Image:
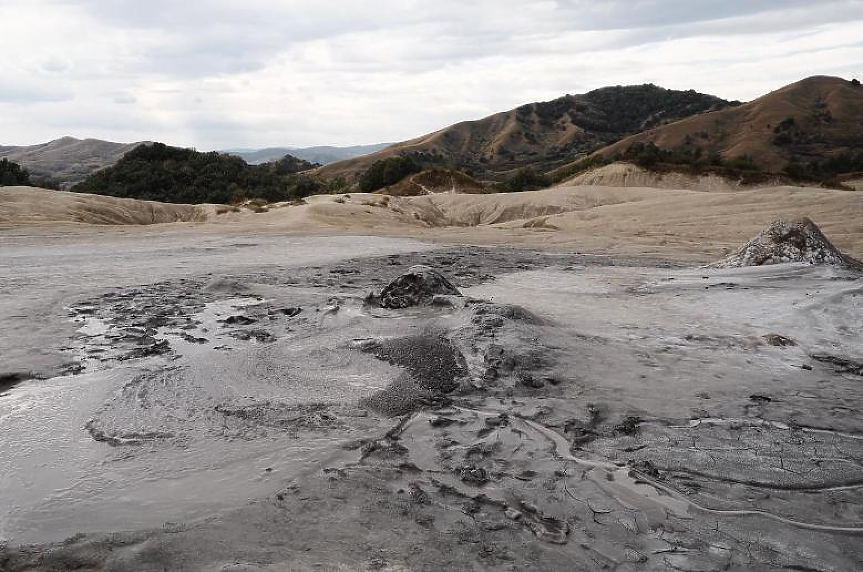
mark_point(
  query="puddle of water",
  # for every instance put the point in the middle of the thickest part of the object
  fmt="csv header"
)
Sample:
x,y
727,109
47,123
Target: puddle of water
x,y
56,480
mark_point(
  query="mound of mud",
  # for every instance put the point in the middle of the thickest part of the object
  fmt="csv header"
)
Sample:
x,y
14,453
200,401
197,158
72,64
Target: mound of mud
x,y
416,287
783,241
226,285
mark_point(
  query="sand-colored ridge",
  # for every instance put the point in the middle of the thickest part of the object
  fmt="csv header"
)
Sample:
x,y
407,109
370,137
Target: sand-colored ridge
x,y
671,222
622,174
35,206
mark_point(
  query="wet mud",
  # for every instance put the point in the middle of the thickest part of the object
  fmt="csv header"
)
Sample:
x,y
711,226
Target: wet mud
x,y
550,412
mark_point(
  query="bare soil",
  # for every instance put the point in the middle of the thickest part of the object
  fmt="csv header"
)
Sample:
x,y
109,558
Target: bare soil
x,y
233,401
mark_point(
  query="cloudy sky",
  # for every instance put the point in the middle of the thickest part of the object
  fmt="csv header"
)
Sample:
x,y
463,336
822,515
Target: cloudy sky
x,y
253,73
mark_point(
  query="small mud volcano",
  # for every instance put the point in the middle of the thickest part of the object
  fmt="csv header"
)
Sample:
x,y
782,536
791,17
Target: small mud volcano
x,y
416,287
795,241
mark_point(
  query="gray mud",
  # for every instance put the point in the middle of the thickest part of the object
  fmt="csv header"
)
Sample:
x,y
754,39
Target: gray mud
x,y
567,412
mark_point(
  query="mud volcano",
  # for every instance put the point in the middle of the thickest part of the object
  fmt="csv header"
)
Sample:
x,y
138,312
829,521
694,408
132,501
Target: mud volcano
x,y
416,287
796,241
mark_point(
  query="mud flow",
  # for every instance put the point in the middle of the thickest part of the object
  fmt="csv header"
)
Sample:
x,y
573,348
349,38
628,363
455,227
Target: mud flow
x,y
419,408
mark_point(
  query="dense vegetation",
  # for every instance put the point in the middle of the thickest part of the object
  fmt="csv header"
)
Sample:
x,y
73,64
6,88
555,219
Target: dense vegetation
x,y
159,172
826,170
525,179
388,172
13,174
822,171
695,161
634,108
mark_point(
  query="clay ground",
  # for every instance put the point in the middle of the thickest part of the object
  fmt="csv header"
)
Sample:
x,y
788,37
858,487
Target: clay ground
x,y
205,397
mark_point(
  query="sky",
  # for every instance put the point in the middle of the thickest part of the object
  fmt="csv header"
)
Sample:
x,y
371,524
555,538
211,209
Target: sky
x,y
216,74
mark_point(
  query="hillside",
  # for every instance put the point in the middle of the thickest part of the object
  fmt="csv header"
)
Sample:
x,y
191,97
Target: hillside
x,y
542,135
67,160
812,129
158,172
323,154
34,206
435,181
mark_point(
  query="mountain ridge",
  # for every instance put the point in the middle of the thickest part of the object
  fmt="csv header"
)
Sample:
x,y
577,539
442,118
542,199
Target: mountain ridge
x,y
542,135
805,122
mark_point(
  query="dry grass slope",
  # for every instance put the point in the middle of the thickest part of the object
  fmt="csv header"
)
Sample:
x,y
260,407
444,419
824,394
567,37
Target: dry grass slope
x,y
68,160
815,117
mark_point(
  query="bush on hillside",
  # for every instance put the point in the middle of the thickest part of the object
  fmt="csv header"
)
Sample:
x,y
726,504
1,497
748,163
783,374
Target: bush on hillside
x,y
159,172
388,172
827,169
13,174
526,179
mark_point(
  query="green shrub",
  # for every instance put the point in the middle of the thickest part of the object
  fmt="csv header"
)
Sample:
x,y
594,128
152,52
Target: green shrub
x,y
388,172
526,180
159,172
13,174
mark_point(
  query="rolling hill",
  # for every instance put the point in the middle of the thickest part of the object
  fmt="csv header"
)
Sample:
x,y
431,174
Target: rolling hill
x,y
323,154
809,129
67,160
542,135
434,181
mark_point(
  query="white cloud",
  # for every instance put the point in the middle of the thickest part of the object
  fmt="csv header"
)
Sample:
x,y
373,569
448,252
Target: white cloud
x,y
221,73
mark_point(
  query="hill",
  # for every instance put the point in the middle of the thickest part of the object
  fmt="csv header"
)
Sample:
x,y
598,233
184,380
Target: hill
x,y
323,154
34,206
67,160
809,130
158,172
541,135
435,181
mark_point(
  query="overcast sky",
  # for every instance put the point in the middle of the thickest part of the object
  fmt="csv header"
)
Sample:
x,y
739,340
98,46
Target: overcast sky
x,y
254,73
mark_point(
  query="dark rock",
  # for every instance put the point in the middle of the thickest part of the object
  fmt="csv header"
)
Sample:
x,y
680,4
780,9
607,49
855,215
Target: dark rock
x,y
777,340
473,475
528,380
629,426
238,320
289,312
841,364
257,335
417,495
441,421
156,349
418,286
645,468
11,379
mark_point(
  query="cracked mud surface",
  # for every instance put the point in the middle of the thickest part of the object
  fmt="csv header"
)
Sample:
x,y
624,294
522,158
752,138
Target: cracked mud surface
x,y
568,412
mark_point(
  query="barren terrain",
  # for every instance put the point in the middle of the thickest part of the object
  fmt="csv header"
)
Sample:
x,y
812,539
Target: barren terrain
x,y
224,394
